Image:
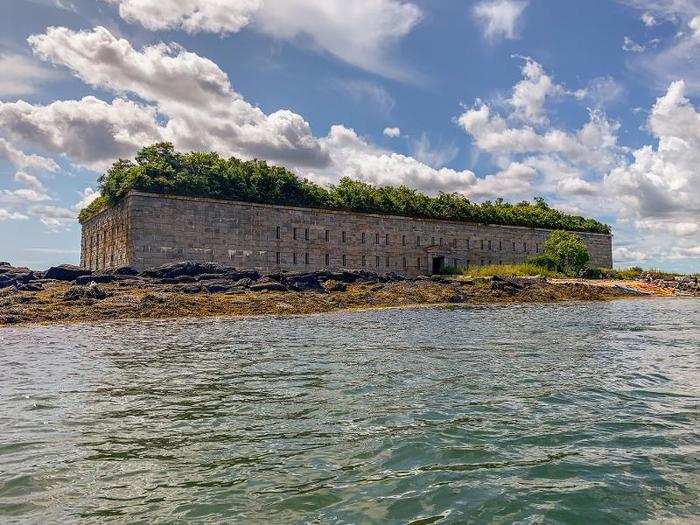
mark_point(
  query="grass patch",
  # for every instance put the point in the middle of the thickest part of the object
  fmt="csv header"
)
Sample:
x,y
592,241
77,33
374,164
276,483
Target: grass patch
x,y
504,270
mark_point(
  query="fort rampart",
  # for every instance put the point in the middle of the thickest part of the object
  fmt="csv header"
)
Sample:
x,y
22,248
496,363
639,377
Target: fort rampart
x,y
146,230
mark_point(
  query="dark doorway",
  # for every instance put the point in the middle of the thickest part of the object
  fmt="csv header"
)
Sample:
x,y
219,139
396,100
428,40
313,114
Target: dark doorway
x,y
438,264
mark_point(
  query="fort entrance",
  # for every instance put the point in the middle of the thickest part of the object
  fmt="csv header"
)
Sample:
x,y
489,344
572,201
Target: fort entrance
x,y
438,264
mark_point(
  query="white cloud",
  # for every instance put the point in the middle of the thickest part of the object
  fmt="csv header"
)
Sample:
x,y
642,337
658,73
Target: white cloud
x,y
21,75
632,46
53,217
676,58
648,19
662,183
354,157
499,18
87,196
360,33
514,181
30,181
90,131
11,215
392,132
195,95
366,93
435,156
529,95
22,160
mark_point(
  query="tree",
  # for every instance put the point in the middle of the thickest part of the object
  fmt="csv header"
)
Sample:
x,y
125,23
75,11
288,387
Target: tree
x,y
568,251
160,168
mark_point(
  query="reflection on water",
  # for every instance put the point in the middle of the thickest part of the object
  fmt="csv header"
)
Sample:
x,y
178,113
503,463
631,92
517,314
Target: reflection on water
x,y
573,413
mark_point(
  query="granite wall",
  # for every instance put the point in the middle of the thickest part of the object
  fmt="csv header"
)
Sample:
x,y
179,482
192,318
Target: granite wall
x,y
147,230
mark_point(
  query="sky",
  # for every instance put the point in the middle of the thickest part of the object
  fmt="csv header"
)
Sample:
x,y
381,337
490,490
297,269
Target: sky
x,y
593,105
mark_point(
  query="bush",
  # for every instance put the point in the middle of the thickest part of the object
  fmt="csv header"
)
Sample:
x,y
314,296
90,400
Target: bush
x,y
568,252
544,261
161,169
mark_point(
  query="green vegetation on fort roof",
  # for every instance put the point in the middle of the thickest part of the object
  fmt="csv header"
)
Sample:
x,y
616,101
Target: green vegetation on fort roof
x,y
161,169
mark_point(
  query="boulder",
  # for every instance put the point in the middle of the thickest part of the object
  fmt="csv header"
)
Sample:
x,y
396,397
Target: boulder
x,y
190,268
237,275
7,280
218,286
121,270
32,286
66,272
75,293
180,279
303,282
266,284
243,283
334,286
96,278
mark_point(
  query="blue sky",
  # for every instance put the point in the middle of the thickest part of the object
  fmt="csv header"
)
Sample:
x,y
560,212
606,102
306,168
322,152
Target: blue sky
x,y
592,105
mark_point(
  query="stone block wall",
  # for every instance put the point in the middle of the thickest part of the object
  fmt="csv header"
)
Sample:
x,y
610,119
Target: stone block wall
x,y
150,230
105,239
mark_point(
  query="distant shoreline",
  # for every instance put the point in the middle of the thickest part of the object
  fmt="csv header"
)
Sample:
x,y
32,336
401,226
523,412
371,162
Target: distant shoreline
x,y
133,297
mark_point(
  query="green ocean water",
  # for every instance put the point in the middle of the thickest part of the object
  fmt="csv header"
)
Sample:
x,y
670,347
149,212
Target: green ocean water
x,y
568,413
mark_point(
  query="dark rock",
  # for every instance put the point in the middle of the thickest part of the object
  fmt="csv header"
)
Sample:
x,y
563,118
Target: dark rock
x,y
31,286
191,268
458,298
266,284
243,283
125,270
208,276
335,286
303,282
9,319
96,278
237,275
75,293
66,272
505,285
177,280
218,286
189,288
7,280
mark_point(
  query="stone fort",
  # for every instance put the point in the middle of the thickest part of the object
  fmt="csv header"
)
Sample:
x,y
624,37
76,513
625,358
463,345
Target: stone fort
x,y
146,230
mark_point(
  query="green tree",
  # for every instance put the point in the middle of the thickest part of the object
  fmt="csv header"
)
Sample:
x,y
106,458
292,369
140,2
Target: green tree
x,y
568,251
159,168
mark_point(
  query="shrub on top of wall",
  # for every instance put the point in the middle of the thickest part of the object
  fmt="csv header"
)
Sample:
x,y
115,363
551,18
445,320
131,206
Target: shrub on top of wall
x,y
161,169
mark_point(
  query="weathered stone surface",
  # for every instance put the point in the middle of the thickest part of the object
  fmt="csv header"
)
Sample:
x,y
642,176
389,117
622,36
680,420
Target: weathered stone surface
x,y
180,279
31,286
75,293
218,286
303,282
96,278
147,230
185,268
334,286
266,284
66,272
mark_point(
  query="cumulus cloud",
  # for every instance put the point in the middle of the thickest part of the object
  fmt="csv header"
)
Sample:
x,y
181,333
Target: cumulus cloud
x,y
22,160
392,132
360,33
356,158
648,19
89,131
192,92
529,95
433,155
21,75
87,196
630,45
674,59
661,184
499,18
6,215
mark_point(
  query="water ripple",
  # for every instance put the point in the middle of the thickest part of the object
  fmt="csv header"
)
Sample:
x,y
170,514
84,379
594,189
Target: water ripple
x,y
580,412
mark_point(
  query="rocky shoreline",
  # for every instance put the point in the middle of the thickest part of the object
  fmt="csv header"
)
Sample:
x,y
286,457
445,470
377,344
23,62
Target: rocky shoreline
x,y
69,293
